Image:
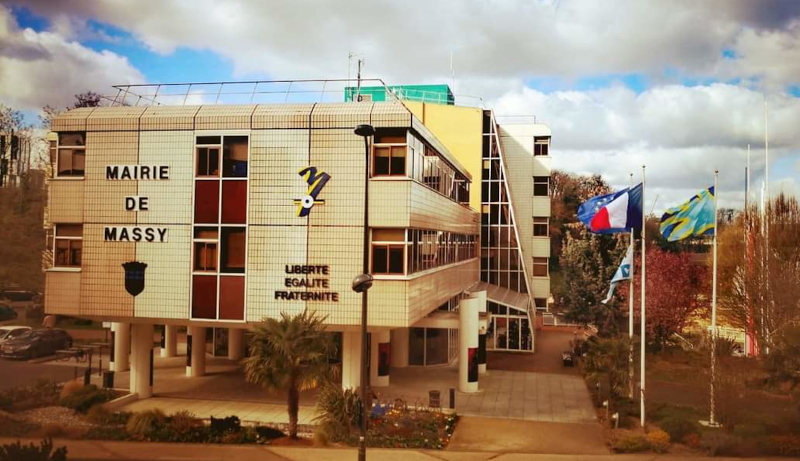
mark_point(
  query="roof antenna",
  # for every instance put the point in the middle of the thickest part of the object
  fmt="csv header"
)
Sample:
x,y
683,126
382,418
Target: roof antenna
x,y
358,78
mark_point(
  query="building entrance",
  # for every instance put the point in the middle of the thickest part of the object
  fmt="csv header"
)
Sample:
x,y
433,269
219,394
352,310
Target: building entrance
x,y
509,329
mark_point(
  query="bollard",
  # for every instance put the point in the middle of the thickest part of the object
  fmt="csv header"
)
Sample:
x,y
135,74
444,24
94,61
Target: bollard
x,y
452,398
108,379
87,376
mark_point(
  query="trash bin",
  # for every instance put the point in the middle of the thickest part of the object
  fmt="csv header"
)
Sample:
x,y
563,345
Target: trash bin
x,y
434,399
567,358
108,379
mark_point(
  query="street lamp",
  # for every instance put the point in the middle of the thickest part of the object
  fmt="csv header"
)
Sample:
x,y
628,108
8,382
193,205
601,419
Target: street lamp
x,y
361,284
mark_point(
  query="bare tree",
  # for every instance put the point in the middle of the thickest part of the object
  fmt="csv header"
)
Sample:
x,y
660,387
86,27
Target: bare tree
x,y
760,272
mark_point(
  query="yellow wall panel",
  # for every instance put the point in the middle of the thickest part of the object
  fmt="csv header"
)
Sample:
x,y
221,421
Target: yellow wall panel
x,y
276,158
103,278
105,199
62,292
168,275
66,201
170,200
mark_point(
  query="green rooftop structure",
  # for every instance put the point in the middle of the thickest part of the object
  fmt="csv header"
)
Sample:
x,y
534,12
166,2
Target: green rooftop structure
x,y
435,94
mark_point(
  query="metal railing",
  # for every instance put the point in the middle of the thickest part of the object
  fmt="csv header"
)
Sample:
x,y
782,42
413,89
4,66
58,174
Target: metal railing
x,y
274,91
241,92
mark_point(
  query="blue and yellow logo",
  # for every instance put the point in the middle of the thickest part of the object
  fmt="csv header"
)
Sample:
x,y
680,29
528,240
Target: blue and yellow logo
x,y
316,181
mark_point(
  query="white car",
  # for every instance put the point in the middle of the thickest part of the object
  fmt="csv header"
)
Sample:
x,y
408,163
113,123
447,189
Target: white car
x,y
8,332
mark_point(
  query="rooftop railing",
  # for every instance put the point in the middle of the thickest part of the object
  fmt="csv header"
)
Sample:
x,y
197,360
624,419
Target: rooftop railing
x,y
273,92
242,92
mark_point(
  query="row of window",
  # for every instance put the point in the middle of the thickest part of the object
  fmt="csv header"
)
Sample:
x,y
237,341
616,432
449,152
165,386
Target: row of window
x,y
400,153
219,240
69,154
407,251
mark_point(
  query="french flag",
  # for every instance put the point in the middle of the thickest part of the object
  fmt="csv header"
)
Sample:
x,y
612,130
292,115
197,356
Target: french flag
x,y
613,213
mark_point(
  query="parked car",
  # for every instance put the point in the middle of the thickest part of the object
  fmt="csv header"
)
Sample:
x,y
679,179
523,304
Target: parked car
x,y
7,313
36,343
10,332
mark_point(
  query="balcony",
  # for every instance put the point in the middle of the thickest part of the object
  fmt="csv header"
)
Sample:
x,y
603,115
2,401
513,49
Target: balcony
x,y
404,203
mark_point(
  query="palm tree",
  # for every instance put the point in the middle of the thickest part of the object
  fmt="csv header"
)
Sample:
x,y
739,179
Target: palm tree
x,y
290,353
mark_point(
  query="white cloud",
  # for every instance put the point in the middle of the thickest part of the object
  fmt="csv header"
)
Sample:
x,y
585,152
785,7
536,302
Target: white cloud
x,y
411,41
681,133
39,68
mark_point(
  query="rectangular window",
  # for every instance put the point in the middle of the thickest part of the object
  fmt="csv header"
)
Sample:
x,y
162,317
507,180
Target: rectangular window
x,y
387,259
68,245
389,160
208,161
541,303
233,250
204,296
541,186
206,202
540,227
71,159
231,297
205,249
540,267
234,202
234,157
541,147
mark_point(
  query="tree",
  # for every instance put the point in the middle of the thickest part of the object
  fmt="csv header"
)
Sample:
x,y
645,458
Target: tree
x,y
569,191
588,263
607,359
290,353
677,287
87,99
760,276
22,234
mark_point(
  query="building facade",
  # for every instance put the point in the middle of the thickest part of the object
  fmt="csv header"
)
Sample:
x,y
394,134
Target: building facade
x,y
219,216
15,158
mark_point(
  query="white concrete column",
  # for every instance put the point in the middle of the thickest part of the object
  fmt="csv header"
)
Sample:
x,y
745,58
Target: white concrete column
x,y
380,358
468,344
482,357
351,359
399,347
196,360
141,360
170,348
122,346
235,343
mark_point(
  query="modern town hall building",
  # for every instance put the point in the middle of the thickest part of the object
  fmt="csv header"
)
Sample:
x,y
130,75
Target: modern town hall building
x,y
217,216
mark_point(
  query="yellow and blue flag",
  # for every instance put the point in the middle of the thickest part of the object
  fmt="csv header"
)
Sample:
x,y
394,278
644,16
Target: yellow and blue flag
x,y
693,218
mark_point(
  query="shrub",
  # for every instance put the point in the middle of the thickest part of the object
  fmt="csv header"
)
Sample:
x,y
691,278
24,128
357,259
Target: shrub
x,y
658,440
225,425
44,452
44,392
782,445
106,433
98,414
183,422
718,443
632,443
71,387
269,433
86,397
692,440
750,430
52,430
678,427
15,426
338,411
144,423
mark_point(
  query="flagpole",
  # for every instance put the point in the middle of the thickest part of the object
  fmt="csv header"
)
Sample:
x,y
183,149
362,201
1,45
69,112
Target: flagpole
x,y
630,312
641,339
712,422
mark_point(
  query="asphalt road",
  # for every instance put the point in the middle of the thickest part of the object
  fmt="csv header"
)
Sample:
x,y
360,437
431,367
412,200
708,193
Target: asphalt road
x,y
18,373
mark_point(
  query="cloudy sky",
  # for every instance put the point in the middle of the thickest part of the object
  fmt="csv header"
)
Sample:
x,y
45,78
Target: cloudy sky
x,y
679,86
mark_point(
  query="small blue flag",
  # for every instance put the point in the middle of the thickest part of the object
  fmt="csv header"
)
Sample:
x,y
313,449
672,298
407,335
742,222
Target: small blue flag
x,y
693,218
